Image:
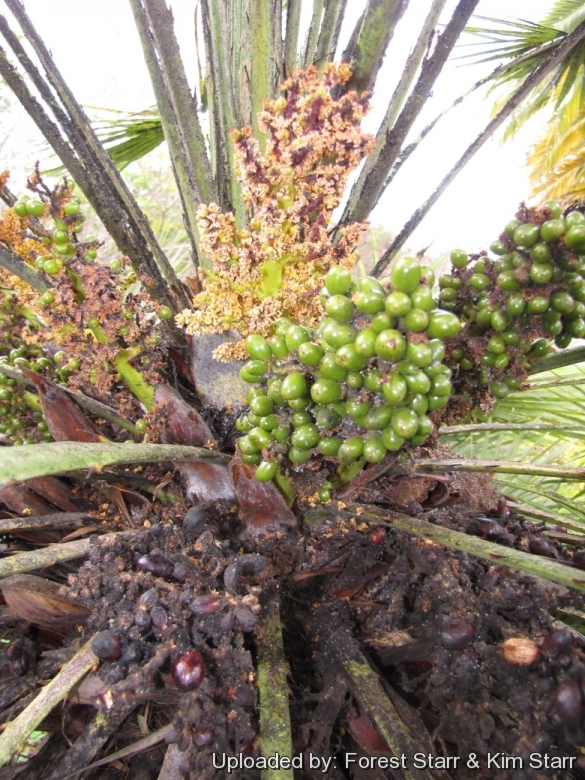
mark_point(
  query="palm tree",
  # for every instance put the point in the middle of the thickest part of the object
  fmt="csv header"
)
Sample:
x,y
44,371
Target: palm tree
x,y
250,47
556,161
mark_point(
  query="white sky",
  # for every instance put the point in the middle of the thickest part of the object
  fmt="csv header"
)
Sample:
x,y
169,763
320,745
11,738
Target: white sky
x,y
97,49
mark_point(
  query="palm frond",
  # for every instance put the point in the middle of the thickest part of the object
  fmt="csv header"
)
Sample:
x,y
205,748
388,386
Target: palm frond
x,y
128,137
558,405
520,46
565,14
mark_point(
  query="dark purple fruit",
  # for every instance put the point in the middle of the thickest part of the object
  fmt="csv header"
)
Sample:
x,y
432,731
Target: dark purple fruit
x,y
21,664
251,564
194,523
245,618
159,617
206,605
155,564
142,620
456,633
14,650
188,670
490,529
107,646
538,545
203,737
230,576
558,641
579,559
148,598
377,535
569,701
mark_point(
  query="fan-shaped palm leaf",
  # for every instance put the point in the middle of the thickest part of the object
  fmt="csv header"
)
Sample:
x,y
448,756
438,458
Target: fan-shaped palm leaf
x,y
520,46
557,160
128,137
546,403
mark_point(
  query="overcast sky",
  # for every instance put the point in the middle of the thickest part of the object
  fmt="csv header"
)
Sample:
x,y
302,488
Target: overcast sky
x,y
96,47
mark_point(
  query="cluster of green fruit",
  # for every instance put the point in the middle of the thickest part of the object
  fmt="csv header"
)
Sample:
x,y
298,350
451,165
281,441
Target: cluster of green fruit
x,y
61,239
516,305
21,418
361,384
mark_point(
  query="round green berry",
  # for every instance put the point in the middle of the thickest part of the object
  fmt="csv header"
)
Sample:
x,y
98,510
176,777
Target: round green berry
x,y
339,308
416,320
329,445
48,298
552,230
369,301
338,280
326,391
310,353
257,347
294,386
390,345
443,325
391,440
374,450
266,471
397,304
36,208
459,258
526,235
299,456
404,422
71,208
295,336
351,449
405,274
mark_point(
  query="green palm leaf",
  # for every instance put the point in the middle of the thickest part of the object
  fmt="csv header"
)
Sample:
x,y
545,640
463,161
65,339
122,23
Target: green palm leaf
x,y
521,46
128,137
543,404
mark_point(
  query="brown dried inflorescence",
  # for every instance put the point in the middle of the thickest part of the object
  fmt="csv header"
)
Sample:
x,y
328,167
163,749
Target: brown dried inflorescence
x,y
275,265
70,322
98,316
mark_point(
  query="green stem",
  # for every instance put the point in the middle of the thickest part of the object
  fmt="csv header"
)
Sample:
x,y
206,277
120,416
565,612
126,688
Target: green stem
x,y
132,378
557,383
32,400
500,467
377,30
556,498
495,553
16,266
99,335
265,57
275,727
313,34
286,487
546,517
566,357
221,21
347,655
454,430
18,730
40,460
325,51
293,20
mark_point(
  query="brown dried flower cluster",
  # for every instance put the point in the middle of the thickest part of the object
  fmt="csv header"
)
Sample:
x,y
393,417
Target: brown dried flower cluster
x,y
275,266
16,237
94,314
69,321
